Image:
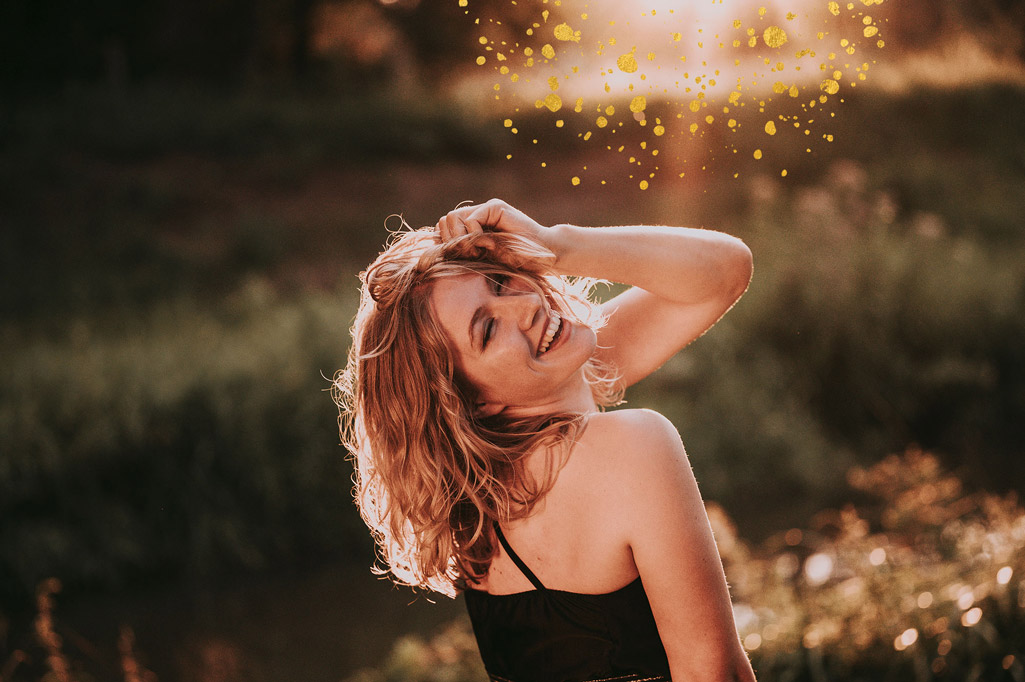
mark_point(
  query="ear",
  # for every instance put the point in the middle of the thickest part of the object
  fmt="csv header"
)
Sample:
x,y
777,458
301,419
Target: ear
x,y
486,410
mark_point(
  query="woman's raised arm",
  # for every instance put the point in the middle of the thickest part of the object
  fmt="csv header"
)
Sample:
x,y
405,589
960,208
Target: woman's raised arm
x,y
683,279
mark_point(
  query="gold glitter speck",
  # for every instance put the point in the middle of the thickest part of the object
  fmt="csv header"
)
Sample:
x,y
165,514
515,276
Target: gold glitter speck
x,y
638,104
834,9
575,181
758,154
830,86
627,63
770,128
548,51
566,33
601,122
658,131
774,36
553,102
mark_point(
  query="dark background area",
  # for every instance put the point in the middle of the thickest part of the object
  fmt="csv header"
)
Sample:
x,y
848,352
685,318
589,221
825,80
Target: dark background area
x,y
187,190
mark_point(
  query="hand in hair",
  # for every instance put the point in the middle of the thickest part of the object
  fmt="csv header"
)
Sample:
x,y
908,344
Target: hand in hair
x,y
492,216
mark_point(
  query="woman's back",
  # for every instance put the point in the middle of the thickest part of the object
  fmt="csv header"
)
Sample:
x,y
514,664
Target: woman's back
x,y
575,538
563,599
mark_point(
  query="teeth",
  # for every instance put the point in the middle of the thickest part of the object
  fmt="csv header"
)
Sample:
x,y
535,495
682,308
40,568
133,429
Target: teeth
x,y
553,328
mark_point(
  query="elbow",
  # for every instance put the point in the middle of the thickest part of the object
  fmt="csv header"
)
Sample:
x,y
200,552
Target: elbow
x,y
738,269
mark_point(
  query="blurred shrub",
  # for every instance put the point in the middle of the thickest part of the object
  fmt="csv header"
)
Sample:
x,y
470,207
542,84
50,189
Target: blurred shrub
x,y
924,582
864,330
194,439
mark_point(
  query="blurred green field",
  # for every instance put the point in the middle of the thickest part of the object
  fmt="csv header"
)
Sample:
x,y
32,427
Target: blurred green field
x,y
179,280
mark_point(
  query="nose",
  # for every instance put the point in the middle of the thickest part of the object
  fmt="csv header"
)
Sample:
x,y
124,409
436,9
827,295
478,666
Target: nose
x,y
522,308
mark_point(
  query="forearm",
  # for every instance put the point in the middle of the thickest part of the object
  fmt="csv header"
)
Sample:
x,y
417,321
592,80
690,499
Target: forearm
x,y
682,265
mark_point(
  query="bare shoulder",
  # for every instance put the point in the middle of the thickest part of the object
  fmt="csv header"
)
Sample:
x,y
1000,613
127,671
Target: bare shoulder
x,y
640,440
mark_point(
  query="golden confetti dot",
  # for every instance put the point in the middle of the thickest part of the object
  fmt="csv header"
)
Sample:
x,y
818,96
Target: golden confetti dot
x,y
527,51
548,51
779,88
601,122
677,37
758,154
559,123
770,127
774,36
870,31
610,110
575,180
587,135
880,44
483,40
694,105
463,3
794,92
553,83
732,123
831,86
508,156
867,21
752,42
644,184
579,106
709,119
565,33
736,23
762,11
504,70
791,16
693,128
734,97
638,104
627,63
834,9
553,102
507,123
783,173
481,60
658,131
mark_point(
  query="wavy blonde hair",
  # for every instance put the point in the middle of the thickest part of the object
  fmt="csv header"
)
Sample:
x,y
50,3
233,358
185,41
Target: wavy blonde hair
x,y
431,474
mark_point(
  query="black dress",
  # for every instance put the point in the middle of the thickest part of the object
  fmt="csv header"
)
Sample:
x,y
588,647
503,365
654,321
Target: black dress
x,y
547,635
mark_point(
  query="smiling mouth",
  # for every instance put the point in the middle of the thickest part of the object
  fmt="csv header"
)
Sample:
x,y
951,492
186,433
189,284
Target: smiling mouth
x,y
552,332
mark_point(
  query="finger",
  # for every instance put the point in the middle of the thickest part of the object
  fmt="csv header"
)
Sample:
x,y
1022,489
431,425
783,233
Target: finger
x,y
488,214
473,225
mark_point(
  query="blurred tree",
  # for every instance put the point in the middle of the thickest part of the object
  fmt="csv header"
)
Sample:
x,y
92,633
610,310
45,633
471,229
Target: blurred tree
x,y
45,46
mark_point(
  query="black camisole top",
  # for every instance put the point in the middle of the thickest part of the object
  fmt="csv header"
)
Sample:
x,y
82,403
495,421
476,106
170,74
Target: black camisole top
x,y
547,635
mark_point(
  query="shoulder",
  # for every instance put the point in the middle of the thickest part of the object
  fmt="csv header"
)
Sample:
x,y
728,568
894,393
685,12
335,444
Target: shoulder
x,y
636,436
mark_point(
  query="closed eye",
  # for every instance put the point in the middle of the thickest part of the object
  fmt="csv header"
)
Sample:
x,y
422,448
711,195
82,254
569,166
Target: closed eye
x,y
489,327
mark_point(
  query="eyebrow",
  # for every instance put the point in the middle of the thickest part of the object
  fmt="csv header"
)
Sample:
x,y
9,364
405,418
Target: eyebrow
x,y
477,315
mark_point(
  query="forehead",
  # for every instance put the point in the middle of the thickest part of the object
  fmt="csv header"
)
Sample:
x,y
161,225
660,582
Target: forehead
x,y
454,299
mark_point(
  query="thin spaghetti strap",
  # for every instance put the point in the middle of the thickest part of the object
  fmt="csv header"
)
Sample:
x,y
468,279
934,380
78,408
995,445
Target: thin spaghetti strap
x,y
519,562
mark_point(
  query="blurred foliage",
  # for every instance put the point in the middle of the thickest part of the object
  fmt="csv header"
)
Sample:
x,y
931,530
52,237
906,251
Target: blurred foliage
x,y
922,583
172,300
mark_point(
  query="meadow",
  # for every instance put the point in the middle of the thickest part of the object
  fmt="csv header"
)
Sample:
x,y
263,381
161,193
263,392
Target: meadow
x,y
178,288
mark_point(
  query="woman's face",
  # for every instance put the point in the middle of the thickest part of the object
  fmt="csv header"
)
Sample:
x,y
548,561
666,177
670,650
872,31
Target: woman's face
x,y
516,353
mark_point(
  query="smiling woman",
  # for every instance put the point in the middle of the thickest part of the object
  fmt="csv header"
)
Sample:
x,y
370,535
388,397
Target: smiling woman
x,y
472,403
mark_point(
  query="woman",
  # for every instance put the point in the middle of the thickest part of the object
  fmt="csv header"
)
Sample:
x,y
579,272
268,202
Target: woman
x,y
484,464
